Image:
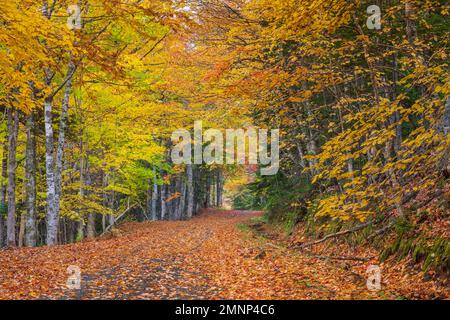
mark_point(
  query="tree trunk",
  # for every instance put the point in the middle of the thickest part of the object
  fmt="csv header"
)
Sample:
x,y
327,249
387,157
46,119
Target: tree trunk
x,y
154,201
148,209
213,190
13,129
103,222
301,155
446,131
3,206
182,203
171,206
71,235
190,191
311,148
105,200
410,25
208,190
112,218
80,233
21,230
163,201
30,176
219,188
61,137
52,214
90,228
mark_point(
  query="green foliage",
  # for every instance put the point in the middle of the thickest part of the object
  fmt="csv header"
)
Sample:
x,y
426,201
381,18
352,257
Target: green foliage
x,y
409,241
247,199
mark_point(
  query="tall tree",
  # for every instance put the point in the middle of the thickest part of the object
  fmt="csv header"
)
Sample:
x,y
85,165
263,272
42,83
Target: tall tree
x,y
189,191
13,129
30,176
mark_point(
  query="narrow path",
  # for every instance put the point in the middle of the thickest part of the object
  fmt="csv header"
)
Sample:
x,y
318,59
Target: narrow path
x,y
208,257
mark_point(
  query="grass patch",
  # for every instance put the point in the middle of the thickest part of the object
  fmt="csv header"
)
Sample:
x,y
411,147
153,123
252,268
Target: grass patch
x,y
244,228
264,219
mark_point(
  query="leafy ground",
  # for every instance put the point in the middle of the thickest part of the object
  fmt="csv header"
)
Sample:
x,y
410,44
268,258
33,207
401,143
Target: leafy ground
x,y
217,255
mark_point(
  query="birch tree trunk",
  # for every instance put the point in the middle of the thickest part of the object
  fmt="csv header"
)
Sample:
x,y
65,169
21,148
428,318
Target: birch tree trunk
x,y
52,214
13,129
30,176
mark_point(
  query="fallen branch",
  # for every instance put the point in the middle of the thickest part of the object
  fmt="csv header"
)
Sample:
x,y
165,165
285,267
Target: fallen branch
x,y
275,246
334,235
379,232
340,257
324,257
120,216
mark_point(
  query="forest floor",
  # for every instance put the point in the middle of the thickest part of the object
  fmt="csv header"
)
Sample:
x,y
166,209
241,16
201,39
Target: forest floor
x,y
216,255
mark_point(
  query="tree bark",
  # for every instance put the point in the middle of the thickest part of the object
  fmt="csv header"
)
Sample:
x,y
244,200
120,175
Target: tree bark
x,y
52,214
13,129
172,205
3,206
21,230
190,191
154,201
80,234
208,190
90,228
311,147
410,25
148,208
301,155
61,137
446,132
182,203
80,230
213,190
105,200
30,176
163,201
219,188
112,218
